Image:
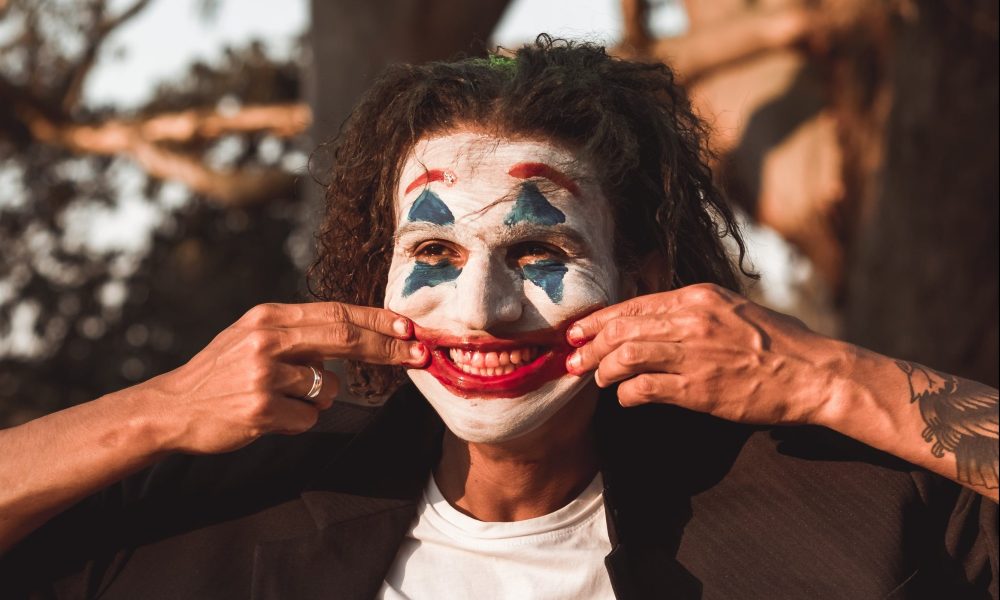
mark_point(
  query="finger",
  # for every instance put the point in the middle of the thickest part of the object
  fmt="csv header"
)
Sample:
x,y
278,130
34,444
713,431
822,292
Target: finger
x,y
635,358
353,342
296,381
290,415
652,388
617,332
381,320
588,327
663,302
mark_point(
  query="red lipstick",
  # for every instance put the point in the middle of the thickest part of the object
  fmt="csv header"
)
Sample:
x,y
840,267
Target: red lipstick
x,y
549,350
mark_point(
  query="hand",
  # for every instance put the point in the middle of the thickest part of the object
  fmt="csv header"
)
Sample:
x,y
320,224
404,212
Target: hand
x,y
709,350
253,377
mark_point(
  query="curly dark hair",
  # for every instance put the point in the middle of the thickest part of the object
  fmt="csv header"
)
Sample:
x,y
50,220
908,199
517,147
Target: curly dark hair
x,y
629,116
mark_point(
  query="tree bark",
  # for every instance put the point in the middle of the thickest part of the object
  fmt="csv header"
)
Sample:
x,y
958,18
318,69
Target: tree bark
x,y
922,281
353,40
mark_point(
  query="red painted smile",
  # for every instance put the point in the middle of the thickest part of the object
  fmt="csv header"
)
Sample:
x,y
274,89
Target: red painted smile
x,y
486,366
491,367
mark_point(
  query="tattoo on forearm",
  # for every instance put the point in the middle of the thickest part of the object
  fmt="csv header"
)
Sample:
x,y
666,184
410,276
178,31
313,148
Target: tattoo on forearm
x,y
961,418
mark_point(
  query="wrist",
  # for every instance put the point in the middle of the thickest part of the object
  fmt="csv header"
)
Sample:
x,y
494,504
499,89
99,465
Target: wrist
x,y
142,426
852,403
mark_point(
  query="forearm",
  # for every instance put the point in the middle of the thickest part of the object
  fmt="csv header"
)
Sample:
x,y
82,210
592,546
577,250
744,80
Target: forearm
x,y
53,462
248,382
940,422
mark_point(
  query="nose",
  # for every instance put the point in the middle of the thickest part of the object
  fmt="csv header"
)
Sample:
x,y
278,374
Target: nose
x,y
488,295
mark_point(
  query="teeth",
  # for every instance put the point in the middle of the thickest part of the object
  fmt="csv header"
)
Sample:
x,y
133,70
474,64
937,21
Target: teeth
x,y
492,364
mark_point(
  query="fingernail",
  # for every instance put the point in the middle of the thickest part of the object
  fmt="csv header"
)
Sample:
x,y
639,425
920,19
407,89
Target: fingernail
x,y
575,334
573,362
401,327
417,352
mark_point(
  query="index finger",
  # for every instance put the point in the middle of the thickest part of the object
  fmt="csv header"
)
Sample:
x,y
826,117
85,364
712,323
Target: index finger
x,y
379,320
588,327
346,340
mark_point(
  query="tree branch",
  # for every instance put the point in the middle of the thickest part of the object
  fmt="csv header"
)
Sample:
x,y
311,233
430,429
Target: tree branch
x,y
230,188
72,86
282,120
138,140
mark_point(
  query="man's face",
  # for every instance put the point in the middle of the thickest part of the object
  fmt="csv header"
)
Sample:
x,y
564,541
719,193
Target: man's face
x,y
499,245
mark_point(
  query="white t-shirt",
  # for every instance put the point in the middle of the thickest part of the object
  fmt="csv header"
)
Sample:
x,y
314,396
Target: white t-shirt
x,y
447,554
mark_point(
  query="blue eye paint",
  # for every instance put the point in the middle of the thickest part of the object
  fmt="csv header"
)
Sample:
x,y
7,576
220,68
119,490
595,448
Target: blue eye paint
x,y
429,207
531,206
429,275
548,275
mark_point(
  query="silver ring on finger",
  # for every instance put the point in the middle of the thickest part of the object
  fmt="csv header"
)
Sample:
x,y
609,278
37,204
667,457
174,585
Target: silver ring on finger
x,y
317,383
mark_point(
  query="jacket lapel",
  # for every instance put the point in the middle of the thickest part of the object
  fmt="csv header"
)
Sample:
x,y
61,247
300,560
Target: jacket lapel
x,y
362,504
654,459
345,560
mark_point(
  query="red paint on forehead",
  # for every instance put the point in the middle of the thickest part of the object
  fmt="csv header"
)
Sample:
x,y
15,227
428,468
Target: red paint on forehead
x,y
526,170
424,179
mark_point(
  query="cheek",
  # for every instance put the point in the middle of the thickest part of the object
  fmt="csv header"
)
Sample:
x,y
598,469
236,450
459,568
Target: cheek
x,y
561,293
547,275
427,275
416,289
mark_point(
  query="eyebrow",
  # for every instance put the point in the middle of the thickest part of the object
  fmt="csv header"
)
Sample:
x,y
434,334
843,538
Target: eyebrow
x,y
422,228
564,234
425,178
526,170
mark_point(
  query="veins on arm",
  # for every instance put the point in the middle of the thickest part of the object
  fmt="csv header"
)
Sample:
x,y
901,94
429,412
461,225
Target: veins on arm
x,y
960,418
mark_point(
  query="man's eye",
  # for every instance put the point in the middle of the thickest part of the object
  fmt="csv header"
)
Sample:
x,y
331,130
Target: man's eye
x,y
433,250
535,251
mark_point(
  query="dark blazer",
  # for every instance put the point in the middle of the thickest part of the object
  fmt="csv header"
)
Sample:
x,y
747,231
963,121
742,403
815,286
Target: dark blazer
x,y
697,508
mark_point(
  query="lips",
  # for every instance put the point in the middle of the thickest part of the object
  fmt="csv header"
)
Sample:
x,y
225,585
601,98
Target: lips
x,y
491,367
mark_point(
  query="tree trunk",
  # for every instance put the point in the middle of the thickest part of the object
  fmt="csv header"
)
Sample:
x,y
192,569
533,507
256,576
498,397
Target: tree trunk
x,y
922,280
353,40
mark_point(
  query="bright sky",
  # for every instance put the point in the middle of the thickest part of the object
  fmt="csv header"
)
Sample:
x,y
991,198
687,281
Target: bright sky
x,y
170,34
159,43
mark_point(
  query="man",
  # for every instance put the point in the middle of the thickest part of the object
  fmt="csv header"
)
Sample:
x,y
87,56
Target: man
x,y
524,222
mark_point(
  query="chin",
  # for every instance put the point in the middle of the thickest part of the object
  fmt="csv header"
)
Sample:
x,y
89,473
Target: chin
x,y
490,416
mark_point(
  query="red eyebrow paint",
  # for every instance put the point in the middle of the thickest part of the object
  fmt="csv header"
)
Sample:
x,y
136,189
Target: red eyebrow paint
x,y
526,170
430,176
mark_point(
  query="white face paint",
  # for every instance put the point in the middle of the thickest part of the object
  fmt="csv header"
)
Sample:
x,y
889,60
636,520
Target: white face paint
x,y
499,244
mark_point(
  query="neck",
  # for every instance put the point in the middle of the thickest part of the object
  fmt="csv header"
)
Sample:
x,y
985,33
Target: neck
x,y
533,475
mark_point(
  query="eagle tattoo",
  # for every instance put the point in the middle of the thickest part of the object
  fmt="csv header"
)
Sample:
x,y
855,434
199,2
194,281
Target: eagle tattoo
x,y
961,418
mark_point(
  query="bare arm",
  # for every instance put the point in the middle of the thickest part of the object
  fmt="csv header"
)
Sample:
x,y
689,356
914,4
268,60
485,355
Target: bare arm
x,y
249,381
57,460
943,423
711,350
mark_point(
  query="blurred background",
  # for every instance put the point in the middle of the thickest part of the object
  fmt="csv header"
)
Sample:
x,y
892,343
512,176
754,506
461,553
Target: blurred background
x,y
159,170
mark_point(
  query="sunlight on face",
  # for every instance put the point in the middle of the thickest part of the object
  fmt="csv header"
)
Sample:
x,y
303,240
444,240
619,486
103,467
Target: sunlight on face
x,y
500,244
